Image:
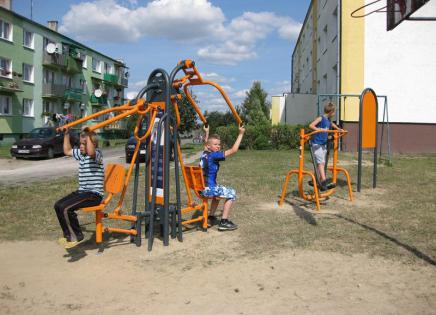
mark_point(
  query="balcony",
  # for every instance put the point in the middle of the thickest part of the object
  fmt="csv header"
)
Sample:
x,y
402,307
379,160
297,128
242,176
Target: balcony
x,y
123,82
53,90
73,95
10,86
56,60
112,78
101,101
74,65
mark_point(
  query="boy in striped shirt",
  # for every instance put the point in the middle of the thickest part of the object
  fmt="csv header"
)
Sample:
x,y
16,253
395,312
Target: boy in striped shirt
x,y
90,192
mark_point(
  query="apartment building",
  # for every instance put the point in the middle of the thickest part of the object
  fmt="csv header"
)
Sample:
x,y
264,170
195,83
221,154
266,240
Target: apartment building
x,y
338,54
47,78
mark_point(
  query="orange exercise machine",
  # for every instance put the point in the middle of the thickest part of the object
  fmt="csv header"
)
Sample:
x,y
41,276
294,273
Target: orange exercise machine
x,y
157,126
317,195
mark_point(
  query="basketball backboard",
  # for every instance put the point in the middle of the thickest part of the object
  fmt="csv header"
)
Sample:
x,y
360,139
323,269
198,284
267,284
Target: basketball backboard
x,y
399,10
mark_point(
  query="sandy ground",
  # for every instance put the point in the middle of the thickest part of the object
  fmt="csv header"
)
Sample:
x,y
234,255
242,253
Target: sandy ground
x,y
206,274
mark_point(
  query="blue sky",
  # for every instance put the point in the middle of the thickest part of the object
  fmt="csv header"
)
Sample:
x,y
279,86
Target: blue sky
x,y
234,42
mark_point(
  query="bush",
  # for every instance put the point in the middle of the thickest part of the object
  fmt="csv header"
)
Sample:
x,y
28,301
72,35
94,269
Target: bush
x,y
285,137
262,137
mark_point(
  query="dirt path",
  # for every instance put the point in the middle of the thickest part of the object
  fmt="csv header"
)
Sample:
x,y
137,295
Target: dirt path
x,y
205,275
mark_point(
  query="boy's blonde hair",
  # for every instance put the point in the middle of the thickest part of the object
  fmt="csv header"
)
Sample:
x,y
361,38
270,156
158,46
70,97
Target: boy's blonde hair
x,y
330,107
214,136
92,135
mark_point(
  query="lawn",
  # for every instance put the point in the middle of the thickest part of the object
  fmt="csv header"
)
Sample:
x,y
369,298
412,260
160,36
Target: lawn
x,y
397,220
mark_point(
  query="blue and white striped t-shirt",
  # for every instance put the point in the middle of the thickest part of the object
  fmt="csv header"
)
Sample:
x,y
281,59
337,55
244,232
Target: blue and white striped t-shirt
x,y
91,171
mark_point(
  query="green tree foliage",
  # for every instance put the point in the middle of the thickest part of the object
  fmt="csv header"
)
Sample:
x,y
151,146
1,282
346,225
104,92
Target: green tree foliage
x,y
217,119
255,108
188,116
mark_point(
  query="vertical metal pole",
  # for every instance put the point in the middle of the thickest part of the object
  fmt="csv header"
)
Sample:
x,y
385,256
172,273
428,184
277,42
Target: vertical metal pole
x,y
176,174
135,193
382,129
388,130
374,172
359,148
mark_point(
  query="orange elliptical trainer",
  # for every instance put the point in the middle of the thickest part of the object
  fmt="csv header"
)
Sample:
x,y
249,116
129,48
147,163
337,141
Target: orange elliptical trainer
x,y
317,194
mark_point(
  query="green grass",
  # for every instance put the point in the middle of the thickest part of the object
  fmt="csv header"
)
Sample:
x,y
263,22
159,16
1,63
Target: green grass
x,y
397,220
5,152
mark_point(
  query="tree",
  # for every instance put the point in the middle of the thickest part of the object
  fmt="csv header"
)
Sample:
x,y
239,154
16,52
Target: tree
x,y
255,107
188,115
217,119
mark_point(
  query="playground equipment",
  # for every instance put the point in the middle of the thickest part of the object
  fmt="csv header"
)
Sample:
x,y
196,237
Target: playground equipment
x,y
317,195
157,125
368,136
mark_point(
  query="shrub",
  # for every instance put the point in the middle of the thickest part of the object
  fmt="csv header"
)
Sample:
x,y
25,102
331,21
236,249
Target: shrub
x,y
262,136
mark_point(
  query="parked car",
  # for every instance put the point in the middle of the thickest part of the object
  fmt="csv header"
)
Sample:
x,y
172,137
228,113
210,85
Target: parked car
x,y
42,142
130,148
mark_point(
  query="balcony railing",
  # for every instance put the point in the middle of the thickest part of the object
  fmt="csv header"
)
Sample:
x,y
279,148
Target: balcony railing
x,y
74,65
73,95
123,82
9,86
98,100
53,90
54,59
110,78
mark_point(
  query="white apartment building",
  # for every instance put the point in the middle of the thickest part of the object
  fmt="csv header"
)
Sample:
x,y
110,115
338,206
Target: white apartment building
x,y
338,54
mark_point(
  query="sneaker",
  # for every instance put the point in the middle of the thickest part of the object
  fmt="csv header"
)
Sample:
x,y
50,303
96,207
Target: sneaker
x,y
72,244
227,226
211,221
62,241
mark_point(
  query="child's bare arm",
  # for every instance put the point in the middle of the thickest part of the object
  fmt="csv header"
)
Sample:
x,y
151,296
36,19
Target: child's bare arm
x,y
68,150
314,123
206,133
90,147
336,127
235,146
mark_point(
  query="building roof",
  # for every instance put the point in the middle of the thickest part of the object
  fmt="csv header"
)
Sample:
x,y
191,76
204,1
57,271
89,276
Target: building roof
x,y
73,42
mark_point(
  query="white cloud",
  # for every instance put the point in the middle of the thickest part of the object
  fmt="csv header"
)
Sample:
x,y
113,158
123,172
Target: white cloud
x,y
215,77
280,87
241,93
197,21
239,38
159,18
131,95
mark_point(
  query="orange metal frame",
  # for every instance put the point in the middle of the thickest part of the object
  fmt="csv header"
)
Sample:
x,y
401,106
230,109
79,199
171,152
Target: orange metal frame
x,y
300,172
193,77
141,108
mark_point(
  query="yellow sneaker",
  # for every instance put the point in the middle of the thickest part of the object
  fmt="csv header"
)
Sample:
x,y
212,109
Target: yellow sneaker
x,y
73,244
62,241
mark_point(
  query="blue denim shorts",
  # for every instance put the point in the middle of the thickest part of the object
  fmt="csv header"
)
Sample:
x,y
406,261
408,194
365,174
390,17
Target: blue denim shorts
x,y
220,191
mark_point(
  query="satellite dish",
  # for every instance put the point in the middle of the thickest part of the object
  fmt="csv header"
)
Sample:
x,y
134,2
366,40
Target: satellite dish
x,y
126,74
51,48
98,93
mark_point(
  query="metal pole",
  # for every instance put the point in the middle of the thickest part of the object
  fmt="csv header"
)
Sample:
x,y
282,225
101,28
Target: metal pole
x,y
374,172
359,148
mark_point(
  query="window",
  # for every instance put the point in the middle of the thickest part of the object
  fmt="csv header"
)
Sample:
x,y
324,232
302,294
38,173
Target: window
x,y
5,105
5,30
48,76
27,39
27,72
85,62
27,107
107,68
48,107
83,86
96,65
5,67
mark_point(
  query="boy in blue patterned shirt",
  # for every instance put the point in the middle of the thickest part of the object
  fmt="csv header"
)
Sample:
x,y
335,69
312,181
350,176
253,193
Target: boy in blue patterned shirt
x,y
319,140
90,192
209,162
